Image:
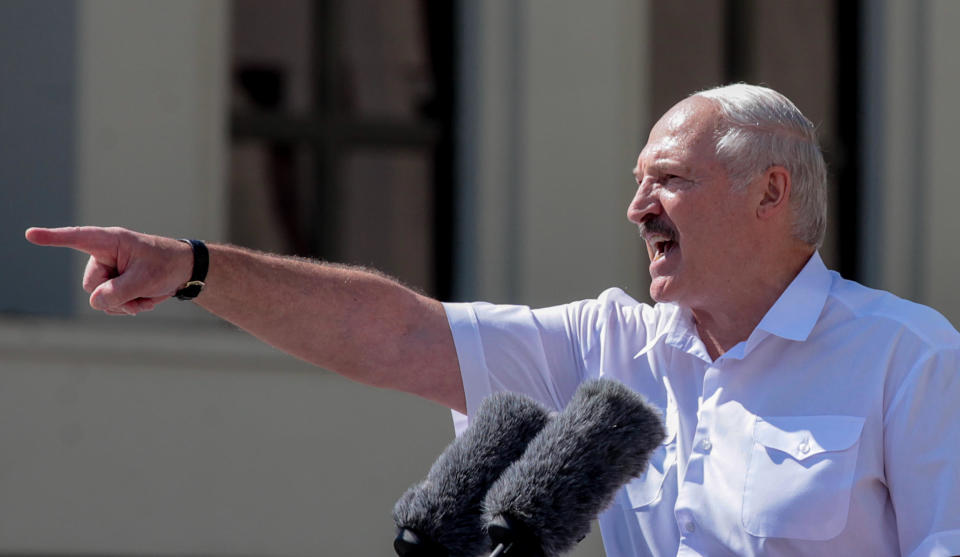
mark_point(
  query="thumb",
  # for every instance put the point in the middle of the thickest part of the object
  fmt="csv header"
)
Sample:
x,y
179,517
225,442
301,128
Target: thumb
x,y
113,293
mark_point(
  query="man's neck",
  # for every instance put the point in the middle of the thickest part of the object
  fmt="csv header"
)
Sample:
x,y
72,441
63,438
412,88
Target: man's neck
x,y
721,326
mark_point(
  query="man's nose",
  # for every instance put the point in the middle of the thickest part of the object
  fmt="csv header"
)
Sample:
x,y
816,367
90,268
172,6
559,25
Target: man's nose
x,y
645,204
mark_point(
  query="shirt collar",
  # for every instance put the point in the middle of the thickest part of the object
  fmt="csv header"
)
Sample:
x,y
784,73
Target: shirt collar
x,y
797,310
791,317
677,331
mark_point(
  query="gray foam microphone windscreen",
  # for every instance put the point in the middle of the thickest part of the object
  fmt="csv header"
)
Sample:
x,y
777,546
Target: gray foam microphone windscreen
x,y
445,510
571,470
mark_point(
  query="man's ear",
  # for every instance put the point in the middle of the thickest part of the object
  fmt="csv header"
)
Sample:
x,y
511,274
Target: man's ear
x,y
776,192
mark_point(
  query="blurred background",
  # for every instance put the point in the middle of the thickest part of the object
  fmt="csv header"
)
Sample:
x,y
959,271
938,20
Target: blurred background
x,y
476,149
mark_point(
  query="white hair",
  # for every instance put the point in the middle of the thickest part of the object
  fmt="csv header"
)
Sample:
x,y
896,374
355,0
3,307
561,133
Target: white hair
x,y
761,128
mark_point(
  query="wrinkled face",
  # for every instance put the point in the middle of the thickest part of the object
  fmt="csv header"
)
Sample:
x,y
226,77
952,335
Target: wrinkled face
x,y
698,232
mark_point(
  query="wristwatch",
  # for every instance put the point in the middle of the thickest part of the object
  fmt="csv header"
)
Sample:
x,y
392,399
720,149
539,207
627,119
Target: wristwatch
x,y
201,262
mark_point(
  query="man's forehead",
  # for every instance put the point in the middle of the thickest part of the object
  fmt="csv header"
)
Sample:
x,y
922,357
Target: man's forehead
x,y
679,117
660,158
690,117
662,146
686,129
672,153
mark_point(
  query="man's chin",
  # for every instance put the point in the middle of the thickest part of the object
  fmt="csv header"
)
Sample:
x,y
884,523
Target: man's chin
x,y
661,290
660,297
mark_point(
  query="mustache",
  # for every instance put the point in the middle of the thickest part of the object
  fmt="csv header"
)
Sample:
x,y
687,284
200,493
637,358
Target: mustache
x,y
657,225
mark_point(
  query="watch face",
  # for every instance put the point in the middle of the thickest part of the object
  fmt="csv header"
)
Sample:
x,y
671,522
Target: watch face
x,y
190,291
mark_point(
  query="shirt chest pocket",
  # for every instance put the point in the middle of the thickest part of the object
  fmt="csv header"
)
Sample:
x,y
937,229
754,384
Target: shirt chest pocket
x,y
800,476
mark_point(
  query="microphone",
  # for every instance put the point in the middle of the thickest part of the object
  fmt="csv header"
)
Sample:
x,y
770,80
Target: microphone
x,y
442,516
542,505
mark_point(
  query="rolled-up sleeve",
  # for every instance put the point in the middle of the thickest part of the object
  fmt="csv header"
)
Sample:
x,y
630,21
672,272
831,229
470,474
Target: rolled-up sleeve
x,y
518,349
922,455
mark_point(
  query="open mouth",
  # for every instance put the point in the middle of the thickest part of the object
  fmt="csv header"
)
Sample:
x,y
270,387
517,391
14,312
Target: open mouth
x,y
661,248
661,238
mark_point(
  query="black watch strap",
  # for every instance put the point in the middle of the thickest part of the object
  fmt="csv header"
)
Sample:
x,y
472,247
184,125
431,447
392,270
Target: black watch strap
x,y
201,262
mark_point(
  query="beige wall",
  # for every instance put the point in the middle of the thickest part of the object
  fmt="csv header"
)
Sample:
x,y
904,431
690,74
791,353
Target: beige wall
x,y
140,439
554,133
583,127
911,194
941,286
151,118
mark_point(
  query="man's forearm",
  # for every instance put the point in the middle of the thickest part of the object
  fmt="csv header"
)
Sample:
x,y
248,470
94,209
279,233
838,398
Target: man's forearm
x,y
355,322
358,323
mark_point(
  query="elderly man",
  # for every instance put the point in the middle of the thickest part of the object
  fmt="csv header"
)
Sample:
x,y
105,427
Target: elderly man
x,y
805,414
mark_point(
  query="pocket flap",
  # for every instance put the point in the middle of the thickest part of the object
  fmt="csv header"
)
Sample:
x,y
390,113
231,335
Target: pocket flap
x,y
804,436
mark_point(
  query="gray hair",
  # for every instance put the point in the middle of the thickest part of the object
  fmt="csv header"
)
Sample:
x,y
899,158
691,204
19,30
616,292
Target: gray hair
x,y
761,128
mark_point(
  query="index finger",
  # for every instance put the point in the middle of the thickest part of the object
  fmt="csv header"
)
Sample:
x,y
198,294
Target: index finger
x,y
89,239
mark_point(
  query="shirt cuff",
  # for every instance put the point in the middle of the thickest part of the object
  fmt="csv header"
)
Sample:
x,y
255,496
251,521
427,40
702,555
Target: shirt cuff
x,y
473,365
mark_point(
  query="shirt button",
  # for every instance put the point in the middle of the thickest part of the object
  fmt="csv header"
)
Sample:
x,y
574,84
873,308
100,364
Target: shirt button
x,y
804,447
706,445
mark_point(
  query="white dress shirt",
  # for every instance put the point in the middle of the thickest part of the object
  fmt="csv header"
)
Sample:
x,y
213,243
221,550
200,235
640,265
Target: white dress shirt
x,y
833,430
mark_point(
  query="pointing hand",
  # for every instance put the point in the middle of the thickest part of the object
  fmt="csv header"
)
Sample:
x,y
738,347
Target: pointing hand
x,y
128,272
